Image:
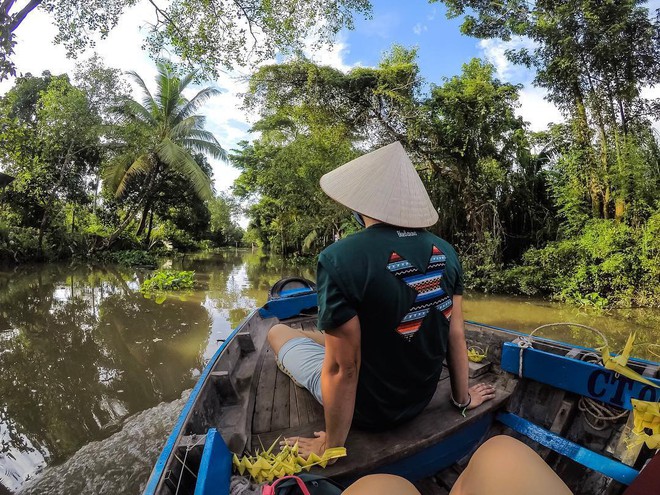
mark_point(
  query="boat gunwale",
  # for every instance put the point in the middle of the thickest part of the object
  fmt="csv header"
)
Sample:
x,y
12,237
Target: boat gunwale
x,y
561,343
168,449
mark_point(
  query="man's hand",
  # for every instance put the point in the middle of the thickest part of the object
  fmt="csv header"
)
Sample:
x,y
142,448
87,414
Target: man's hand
x,y
480,393
307,445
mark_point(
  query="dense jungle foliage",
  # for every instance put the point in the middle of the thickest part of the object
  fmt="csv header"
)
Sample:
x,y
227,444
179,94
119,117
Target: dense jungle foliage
x,y
573,211
96,170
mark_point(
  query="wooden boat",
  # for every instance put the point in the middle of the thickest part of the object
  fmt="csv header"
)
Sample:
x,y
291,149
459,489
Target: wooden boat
x,y
545,396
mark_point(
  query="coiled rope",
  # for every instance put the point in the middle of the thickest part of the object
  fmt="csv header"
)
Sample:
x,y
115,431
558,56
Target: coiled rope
x,y
527,341
596,414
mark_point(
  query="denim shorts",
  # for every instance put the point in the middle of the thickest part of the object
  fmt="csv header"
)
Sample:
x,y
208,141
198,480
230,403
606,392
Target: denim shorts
x,y
303,359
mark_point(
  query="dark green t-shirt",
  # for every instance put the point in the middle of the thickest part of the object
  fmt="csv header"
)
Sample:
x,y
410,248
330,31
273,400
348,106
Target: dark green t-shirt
x,y
400,283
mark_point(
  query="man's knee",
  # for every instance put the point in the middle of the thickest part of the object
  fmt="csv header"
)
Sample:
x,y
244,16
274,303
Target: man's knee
x,y
279,334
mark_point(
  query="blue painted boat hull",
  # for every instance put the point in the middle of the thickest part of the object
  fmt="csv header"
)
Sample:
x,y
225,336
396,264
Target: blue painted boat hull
x,y
212,460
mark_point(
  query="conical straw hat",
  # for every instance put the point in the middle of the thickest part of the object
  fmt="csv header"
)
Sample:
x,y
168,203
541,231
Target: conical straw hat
x,y
383,185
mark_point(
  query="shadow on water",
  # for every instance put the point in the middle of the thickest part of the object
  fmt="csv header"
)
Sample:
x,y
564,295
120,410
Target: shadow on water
x,y
92,372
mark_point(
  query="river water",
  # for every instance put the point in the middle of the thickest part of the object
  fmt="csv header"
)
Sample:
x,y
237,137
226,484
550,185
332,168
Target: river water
x,y
93,375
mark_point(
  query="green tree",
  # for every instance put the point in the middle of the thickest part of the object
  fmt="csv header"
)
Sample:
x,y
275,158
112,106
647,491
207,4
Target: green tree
x,y
479,160
223,230
593,58
212,35
470,147
51,144
159,136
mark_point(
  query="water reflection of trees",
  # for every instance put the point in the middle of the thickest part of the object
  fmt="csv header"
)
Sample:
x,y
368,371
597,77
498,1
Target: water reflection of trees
x,y
237,281
79,349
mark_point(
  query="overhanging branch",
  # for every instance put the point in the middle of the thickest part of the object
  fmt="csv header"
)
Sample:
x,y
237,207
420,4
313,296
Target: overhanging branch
x,y
22,14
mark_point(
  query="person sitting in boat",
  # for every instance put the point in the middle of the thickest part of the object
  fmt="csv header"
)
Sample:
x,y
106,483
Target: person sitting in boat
x,y
389,302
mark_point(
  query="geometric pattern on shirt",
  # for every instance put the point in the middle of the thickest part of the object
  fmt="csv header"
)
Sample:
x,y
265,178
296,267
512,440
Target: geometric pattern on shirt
x,y
427,286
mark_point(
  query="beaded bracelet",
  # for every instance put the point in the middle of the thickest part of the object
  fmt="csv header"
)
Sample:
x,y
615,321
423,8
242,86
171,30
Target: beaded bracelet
x,y
462,407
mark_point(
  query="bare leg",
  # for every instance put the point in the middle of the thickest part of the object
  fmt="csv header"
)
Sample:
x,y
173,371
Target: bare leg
x,y
381,484
506,466
279,334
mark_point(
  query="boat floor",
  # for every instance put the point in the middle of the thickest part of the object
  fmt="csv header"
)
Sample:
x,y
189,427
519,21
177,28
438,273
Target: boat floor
x,y
284,410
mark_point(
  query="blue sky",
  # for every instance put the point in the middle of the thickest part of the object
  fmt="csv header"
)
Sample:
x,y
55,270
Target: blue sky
x,y
442,50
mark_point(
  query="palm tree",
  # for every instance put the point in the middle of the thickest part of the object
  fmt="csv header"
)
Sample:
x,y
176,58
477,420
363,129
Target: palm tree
x,y
170,132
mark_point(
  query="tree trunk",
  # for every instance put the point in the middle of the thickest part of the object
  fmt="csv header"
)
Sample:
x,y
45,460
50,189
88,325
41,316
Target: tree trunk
x,y
143,220
619,208
51,199
151,224
130,215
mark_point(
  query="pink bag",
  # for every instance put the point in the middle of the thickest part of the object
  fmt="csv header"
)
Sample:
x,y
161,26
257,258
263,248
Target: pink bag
x,y
270,489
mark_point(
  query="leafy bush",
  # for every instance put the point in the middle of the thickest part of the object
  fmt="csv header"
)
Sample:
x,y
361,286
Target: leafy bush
x,y
482,268
17,244
134,258
168,280
608,264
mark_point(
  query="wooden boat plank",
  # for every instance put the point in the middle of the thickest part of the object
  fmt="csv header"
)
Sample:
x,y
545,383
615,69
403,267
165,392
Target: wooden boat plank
x,y
294,419
309,326
368,450
428,486
263,408
303,398
280,416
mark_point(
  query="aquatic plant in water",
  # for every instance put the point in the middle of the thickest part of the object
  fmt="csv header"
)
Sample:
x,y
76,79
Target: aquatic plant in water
x,y
165,281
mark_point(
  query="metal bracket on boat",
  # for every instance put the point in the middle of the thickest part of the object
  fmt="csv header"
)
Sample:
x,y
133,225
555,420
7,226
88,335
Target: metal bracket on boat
x,y
226,388
245,342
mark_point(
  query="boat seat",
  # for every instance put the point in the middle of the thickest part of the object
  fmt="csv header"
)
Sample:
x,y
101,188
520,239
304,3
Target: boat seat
x,y
598,462
284,410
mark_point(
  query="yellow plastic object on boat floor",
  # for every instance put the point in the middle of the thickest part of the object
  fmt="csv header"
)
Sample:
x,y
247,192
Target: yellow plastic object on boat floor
x,y
646,416
267,466
477,354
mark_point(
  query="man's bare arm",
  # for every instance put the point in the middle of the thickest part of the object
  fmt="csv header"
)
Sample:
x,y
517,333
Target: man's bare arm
x,y
458,362
339,378
457,353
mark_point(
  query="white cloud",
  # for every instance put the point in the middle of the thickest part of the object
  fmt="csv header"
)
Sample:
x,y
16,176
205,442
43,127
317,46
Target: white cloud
x,y
432,14
495,52
333,55
419,28
534,108
652,93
